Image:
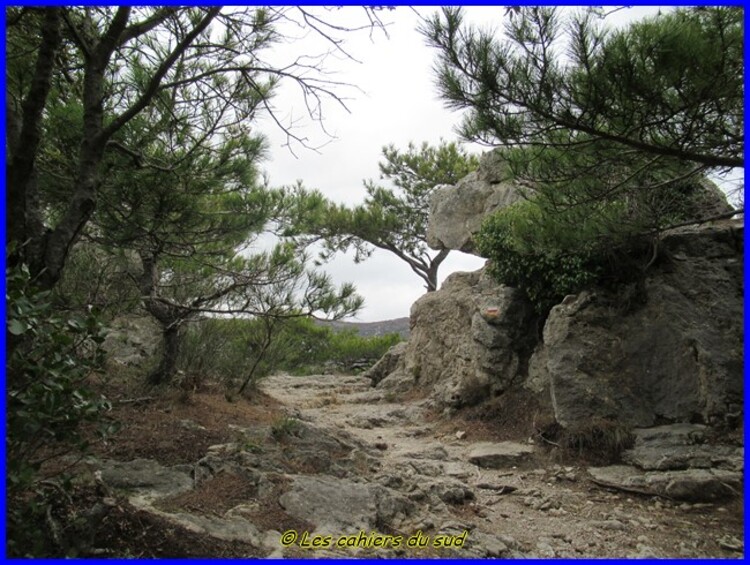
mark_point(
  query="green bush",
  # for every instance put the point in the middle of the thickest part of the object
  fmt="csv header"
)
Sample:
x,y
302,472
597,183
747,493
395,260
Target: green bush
x,y
348,347
50,356
540,257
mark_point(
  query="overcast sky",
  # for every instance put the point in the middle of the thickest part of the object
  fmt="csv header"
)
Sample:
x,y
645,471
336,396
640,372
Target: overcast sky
x,y
397,103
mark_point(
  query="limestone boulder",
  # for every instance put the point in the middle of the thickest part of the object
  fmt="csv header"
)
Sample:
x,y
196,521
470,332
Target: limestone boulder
x,y
691,485
468,340
499,455
341,505
675,354
145,477
387,363
457,211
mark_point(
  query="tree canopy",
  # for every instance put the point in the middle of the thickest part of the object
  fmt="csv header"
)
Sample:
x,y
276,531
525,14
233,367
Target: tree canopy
x,y
392,218
669,86
609,133
133,128
100,69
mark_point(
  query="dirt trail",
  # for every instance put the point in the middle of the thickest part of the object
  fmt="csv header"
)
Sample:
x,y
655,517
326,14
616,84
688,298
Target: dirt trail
x,y
525,506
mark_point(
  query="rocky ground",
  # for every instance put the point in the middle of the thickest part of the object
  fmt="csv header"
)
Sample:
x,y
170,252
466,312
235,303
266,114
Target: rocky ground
x,y
322,457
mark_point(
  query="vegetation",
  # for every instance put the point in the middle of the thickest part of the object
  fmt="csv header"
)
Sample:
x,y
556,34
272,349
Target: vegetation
x,y
228,350
391,219
51,357
611,143
667,87
132,180
544,272
133,183
108,70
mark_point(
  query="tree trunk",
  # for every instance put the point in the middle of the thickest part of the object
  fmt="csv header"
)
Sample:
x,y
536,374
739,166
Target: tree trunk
x,y
168,363
432,273
23,136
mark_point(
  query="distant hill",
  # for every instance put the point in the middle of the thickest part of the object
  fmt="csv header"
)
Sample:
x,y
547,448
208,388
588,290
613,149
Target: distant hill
x,y
366,329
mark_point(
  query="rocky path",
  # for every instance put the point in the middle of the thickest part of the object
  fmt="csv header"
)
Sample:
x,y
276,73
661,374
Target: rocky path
x,y
343,469
510,499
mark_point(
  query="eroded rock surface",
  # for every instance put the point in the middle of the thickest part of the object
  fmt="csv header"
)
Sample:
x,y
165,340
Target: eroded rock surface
x,y
499,455
456,212
341,505
468,340
399,474
675,353
681,446
692,485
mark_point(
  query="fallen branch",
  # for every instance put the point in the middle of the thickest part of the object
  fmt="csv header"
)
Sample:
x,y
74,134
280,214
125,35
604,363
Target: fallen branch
x,y
634,490
499,489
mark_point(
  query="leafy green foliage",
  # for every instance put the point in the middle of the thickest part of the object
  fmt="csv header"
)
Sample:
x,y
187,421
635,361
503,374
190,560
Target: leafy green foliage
x,y
48,401
549,250
611,144
544,262
347,347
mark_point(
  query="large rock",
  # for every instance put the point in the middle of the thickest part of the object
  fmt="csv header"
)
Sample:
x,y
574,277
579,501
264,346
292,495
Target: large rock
x,y
680,446
387,363
469,339
132,340
676,357
146,477
692,485
343,506
456,212
499,455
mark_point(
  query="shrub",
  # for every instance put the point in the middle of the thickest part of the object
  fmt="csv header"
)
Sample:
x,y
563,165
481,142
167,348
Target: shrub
x,y
226,349
50,357
539,257
348,347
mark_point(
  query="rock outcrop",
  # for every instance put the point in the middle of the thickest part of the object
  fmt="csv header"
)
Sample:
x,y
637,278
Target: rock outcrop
x,y
676,357
468,340
132,340
667,350
456,212
677,461
386,364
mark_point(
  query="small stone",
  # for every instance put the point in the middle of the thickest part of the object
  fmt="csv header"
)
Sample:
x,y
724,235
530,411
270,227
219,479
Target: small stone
x,y
731,543
645,551
382,446
460,435
499,455
545,549
612,525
